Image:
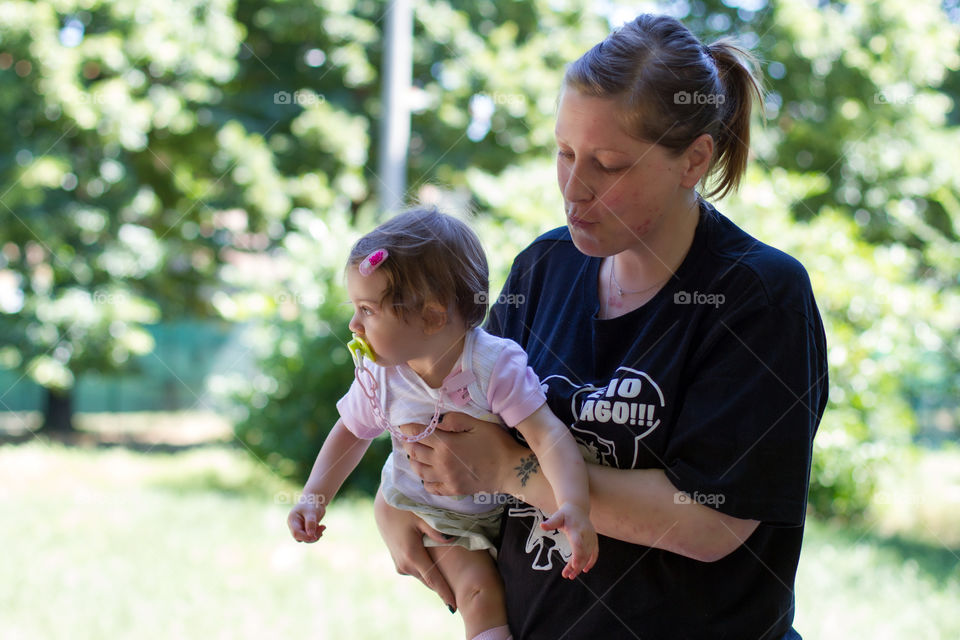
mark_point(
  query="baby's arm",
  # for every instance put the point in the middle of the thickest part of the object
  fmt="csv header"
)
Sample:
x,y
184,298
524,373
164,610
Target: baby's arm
x,y
339,455
556,450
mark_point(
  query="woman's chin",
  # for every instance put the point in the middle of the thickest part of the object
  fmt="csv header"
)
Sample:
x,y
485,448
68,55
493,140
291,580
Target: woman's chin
x,y
586,242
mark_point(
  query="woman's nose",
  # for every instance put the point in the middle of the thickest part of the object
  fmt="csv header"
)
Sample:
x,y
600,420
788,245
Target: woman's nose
x,y
574,187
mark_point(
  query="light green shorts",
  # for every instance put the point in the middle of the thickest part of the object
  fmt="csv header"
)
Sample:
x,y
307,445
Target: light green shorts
x,y
471,531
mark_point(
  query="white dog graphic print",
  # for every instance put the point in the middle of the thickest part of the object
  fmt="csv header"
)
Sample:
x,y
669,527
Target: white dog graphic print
x,y
631,399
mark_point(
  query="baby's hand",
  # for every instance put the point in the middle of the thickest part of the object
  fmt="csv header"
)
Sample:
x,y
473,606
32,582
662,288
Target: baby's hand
x,y
304,519
576,525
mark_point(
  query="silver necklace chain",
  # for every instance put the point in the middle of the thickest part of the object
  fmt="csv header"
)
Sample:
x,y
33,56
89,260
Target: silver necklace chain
x,y
620,291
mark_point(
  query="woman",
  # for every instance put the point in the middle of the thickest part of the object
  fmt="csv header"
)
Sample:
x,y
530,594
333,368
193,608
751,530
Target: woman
x,y
687,358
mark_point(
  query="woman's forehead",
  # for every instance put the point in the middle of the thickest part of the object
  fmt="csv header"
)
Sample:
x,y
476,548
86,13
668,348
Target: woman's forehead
x,y
593,122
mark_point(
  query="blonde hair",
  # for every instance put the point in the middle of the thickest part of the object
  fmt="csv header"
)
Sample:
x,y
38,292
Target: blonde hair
x,y
432,257
673,89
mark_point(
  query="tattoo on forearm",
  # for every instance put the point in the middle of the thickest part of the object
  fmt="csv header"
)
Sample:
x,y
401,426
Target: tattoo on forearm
x,y
527,467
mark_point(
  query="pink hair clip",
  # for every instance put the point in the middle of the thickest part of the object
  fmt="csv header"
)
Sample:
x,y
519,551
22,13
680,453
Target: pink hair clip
x,y
372,261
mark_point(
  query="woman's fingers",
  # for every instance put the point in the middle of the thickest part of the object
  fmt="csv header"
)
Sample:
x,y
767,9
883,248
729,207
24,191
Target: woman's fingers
x,y
455,422
422,567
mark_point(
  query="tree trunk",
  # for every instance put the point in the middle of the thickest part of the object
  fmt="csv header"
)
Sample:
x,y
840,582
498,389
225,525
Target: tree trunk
x,y
58,414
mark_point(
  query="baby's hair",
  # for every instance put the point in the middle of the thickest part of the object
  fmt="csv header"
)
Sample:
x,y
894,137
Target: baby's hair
x,y
673,89
431,257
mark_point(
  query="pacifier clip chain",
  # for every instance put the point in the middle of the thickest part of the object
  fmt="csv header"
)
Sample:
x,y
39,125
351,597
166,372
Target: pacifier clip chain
x,y
359,349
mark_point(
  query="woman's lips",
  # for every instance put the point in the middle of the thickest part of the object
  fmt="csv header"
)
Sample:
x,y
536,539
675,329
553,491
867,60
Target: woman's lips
x,y
579,222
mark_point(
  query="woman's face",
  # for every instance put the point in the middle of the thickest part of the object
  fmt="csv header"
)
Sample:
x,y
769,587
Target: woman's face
x,y
618,192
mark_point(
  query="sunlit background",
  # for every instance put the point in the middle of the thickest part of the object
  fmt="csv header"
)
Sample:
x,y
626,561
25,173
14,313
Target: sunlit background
x,y
180,181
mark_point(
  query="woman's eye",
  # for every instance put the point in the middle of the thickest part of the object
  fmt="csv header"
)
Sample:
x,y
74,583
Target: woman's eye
x,y
607,169
566,155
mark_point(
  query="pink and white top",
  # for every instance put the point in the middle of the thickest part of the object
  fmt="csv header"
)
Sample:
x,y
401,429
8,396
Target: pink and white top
x,y
491,381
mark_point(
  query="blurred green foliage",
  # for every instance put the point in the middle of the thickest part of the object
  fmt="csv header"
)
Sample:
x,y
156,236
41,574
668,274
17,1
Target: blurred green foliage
x,y
164,158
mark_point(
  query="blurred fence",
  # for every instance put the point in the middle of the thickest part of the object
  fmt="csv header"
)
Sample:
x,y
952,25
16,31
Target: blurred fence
x,y
172,377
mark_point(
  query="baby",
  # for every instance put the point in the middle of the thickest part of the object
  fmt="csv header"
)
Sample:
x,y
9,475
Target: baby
x,y
418,284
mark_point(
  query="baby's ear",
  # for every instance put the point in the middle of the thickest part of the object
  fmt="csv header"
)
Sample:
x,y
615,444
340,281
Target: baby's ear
x,y
434,317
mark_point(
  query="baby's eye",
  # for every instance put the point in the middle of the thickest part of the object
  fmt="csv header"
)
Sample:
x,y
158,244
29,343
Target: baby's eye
x,y
367,311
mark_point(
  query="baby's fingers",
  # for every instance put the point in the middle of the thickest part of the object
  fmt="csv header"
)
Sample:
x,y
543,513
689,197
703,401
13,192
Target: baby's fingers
x,y
592,557
572,569
310,522
554,522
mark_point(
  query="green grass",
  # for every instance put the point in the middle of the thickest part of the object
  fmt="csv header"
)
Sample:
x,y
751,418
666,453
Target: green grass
x,y
108,543
112,544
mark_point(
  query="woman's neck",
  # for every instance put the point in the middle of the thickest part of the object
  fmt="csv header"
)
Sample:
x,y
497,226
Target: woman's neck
x,y
658,256
441,353
631,278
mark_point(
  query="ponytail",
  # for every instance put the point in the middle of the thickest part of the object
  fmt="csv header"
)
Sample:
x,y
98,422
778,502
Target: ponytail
x,y
738,73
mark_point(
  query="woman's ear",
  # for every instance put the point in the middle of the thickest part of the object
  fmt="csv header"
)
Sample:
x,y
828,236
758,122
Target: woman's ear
x,y
434,316
698,156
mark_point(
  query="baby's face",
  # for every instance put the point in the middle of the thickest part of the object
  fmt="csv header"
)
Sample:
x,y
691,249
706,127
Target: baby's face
x,y
393,340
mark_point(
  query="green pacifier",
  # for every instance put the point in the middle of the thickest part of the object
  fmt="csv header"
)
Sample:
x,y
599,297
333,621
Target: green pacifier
x,y
359,349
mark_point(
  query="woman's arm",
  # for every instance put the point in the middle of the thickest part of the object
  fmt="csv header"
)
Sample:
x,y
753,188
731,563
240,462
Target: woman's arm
x,y
635,505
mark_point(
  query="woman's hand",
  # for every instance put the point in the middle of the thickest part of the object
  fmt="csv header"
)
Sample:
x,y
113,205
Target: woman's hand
x,y
463,456
403,533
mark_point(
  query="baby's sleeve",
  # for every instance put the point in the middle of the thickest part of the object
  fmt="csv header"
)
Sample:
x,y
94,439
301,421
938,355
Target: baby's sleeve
x,y
357,413
514,392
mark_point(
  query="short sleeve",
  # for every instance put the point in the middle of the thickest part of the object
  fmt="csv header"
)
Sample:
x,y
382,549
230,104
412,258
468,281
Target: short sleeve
x,y
514,392
357,413
744,437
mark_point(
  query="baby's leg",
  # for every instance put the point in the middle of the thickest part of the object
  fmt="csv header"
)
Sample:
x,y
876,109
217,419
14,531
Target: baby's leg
x,y
477,585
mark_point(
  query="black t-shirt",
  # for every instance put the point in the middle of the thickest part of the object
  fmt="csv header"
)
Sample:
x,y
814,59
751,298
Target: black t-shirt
x,y
721,380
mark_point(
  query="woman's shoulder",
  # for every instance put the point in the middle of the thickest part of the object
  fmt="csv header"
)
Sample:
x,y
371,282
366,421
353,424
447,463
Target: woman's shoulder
x,y
547,242
740,262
